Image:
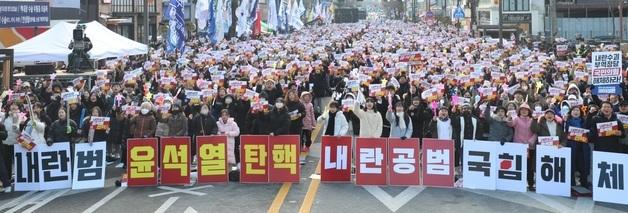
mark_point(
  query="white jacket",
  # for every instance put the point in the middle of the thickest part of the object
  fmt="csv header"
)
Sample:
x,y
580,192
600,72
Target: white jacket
x,y
37,132
371,123
341,126
13,130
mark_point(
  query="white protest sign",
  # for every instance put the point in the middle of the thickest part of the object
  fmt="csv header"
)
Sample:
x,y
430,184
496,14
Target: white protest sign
x,y
606,68
609,177
42,168
553,170
480,164
512,167
89,165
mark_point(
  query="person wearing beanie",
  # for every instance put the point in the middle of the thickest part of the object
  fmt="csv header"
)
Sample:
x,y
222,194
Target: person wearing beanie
x,y
523,134
498,125
144,124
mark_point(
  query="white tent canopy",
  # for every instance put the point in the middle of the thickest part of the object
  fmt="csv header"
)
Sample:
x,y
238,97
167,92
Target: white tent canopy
x,y
52,45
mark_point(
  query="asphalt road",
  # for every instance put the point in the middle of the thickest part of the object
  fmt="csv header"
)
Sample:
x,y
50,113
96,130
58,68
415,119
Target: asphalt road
x,y
307,196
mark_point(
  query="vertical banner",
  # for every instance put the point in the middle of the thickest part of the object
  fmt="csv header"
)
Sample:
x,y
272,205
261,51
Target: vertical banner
x,y
370,161
283,160
553,170
254,158
480,164
336,159
438,162
175,160
512,167
27,166
211,159
142,161
403,158
609,177
89,165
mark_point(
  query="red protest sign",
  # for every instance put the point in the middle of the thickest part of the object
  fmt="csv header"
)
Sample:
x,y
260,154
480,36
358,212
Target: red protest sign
x,y
142,161
336,159
370,161
438,162
175,160
254,158
403,161
211,158
283,165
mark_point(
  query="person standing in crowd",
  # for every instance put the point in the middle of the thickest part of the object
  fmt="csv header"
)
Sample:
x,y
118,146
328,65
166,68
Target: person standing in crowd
x,y
38,109
5,176
12,124
468,131
309,121
89,130
371,123
442,127
607,140
118,133
334,123
279,119
36,128
296,110
523,134
548,126
177,122
498,125
202,124
580,152
144,124
62,130
321,88
400,122
419,114
228,127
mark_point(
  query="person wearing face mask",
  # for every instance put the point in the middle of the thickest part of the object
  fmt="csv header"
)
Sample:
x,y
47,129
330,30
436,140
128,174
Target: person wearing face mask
x,y
61,130
580,152
400,122
52,107
371,123
523,134
177,122
144,124
498,125
203,124
279,118
607,140
228,127
334,123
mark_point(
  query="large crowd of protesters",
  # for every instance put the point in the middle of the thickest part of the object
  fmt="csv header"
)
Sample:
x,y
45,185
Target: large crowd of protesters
x,y
368,79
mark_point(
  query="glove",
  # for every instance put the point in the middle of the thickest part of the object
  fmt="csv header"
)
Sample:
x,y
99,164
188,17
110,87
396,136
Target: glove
x,y
49,143
403,137
502,143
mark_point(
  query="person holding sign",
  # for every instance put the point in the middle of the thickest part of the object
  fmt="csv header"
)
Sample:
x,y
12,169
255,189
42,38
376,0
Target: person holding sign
x,y
548,126
580,150
606,132
95,128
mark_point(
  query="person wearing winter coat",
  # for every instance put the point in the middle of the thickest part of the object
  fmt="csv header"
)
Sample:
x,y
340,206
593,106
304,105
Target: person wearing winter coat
x,y
203,123
400,122
523,134
498,125
177,122
334,123
371,123
608,141
118,133
279,119
547,125
309,121
296,110
89,131
228,127
144,124
4,174
580,152
36,128
62,130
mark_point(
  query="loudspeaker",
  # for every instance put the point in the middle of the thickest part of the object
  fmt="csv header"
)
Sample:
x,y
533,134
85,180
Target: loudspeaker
x,y
39,69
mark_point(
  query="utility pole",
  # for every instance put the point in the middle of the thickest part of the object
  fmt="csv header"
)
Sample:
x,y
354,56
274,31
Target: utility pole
x,y
554,31
413,10
473,16
621,21
501,33
146,18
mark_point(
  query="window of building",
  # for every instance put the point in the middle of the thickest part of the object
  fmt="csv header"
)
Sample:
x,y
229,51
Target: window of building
x,y
516,5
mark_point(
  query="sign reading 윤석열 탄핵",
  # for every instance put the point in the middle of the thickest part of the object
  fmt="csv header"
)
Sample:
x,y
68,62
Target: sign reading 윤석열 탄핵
x,y
24,14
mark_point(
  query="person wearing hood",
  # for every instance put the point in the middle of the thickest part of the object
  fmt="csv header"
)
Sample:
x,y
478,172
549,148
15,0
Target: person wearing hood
x,y
400,122
334,123
144,124
177,122
228,127
575,91
498,125
309,121
580,152
279,119
371,123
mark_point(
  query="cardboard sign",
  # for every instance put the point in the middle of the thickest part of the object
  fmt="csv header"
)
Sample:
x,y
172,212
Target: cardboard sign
x,y
175,160
100,123
607,68
609,177
89,165
254,158
283,160
42,168
480,164
578,134
370,161
403,161
553,170
438,163
336,159
607,129
142,161
211,159
512,167
549,140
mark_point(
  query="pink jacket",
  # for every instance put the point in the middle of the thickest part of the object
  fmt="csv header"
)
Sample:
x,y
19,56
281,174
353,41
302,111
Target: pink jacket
x,y
523,133
232,130
309,122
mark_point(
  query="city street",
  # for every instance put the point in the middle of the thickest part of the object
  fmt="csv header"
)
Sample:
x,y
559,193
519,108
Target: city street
x,y
307,196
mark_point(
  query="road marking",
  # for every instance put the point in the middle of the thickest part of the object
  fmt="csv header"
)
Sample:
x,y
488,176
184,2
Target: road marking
x,y
584,205
104,200
15,201
176,190
280,198
190,210
394,203
46,201
166,204
29,201
308,200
